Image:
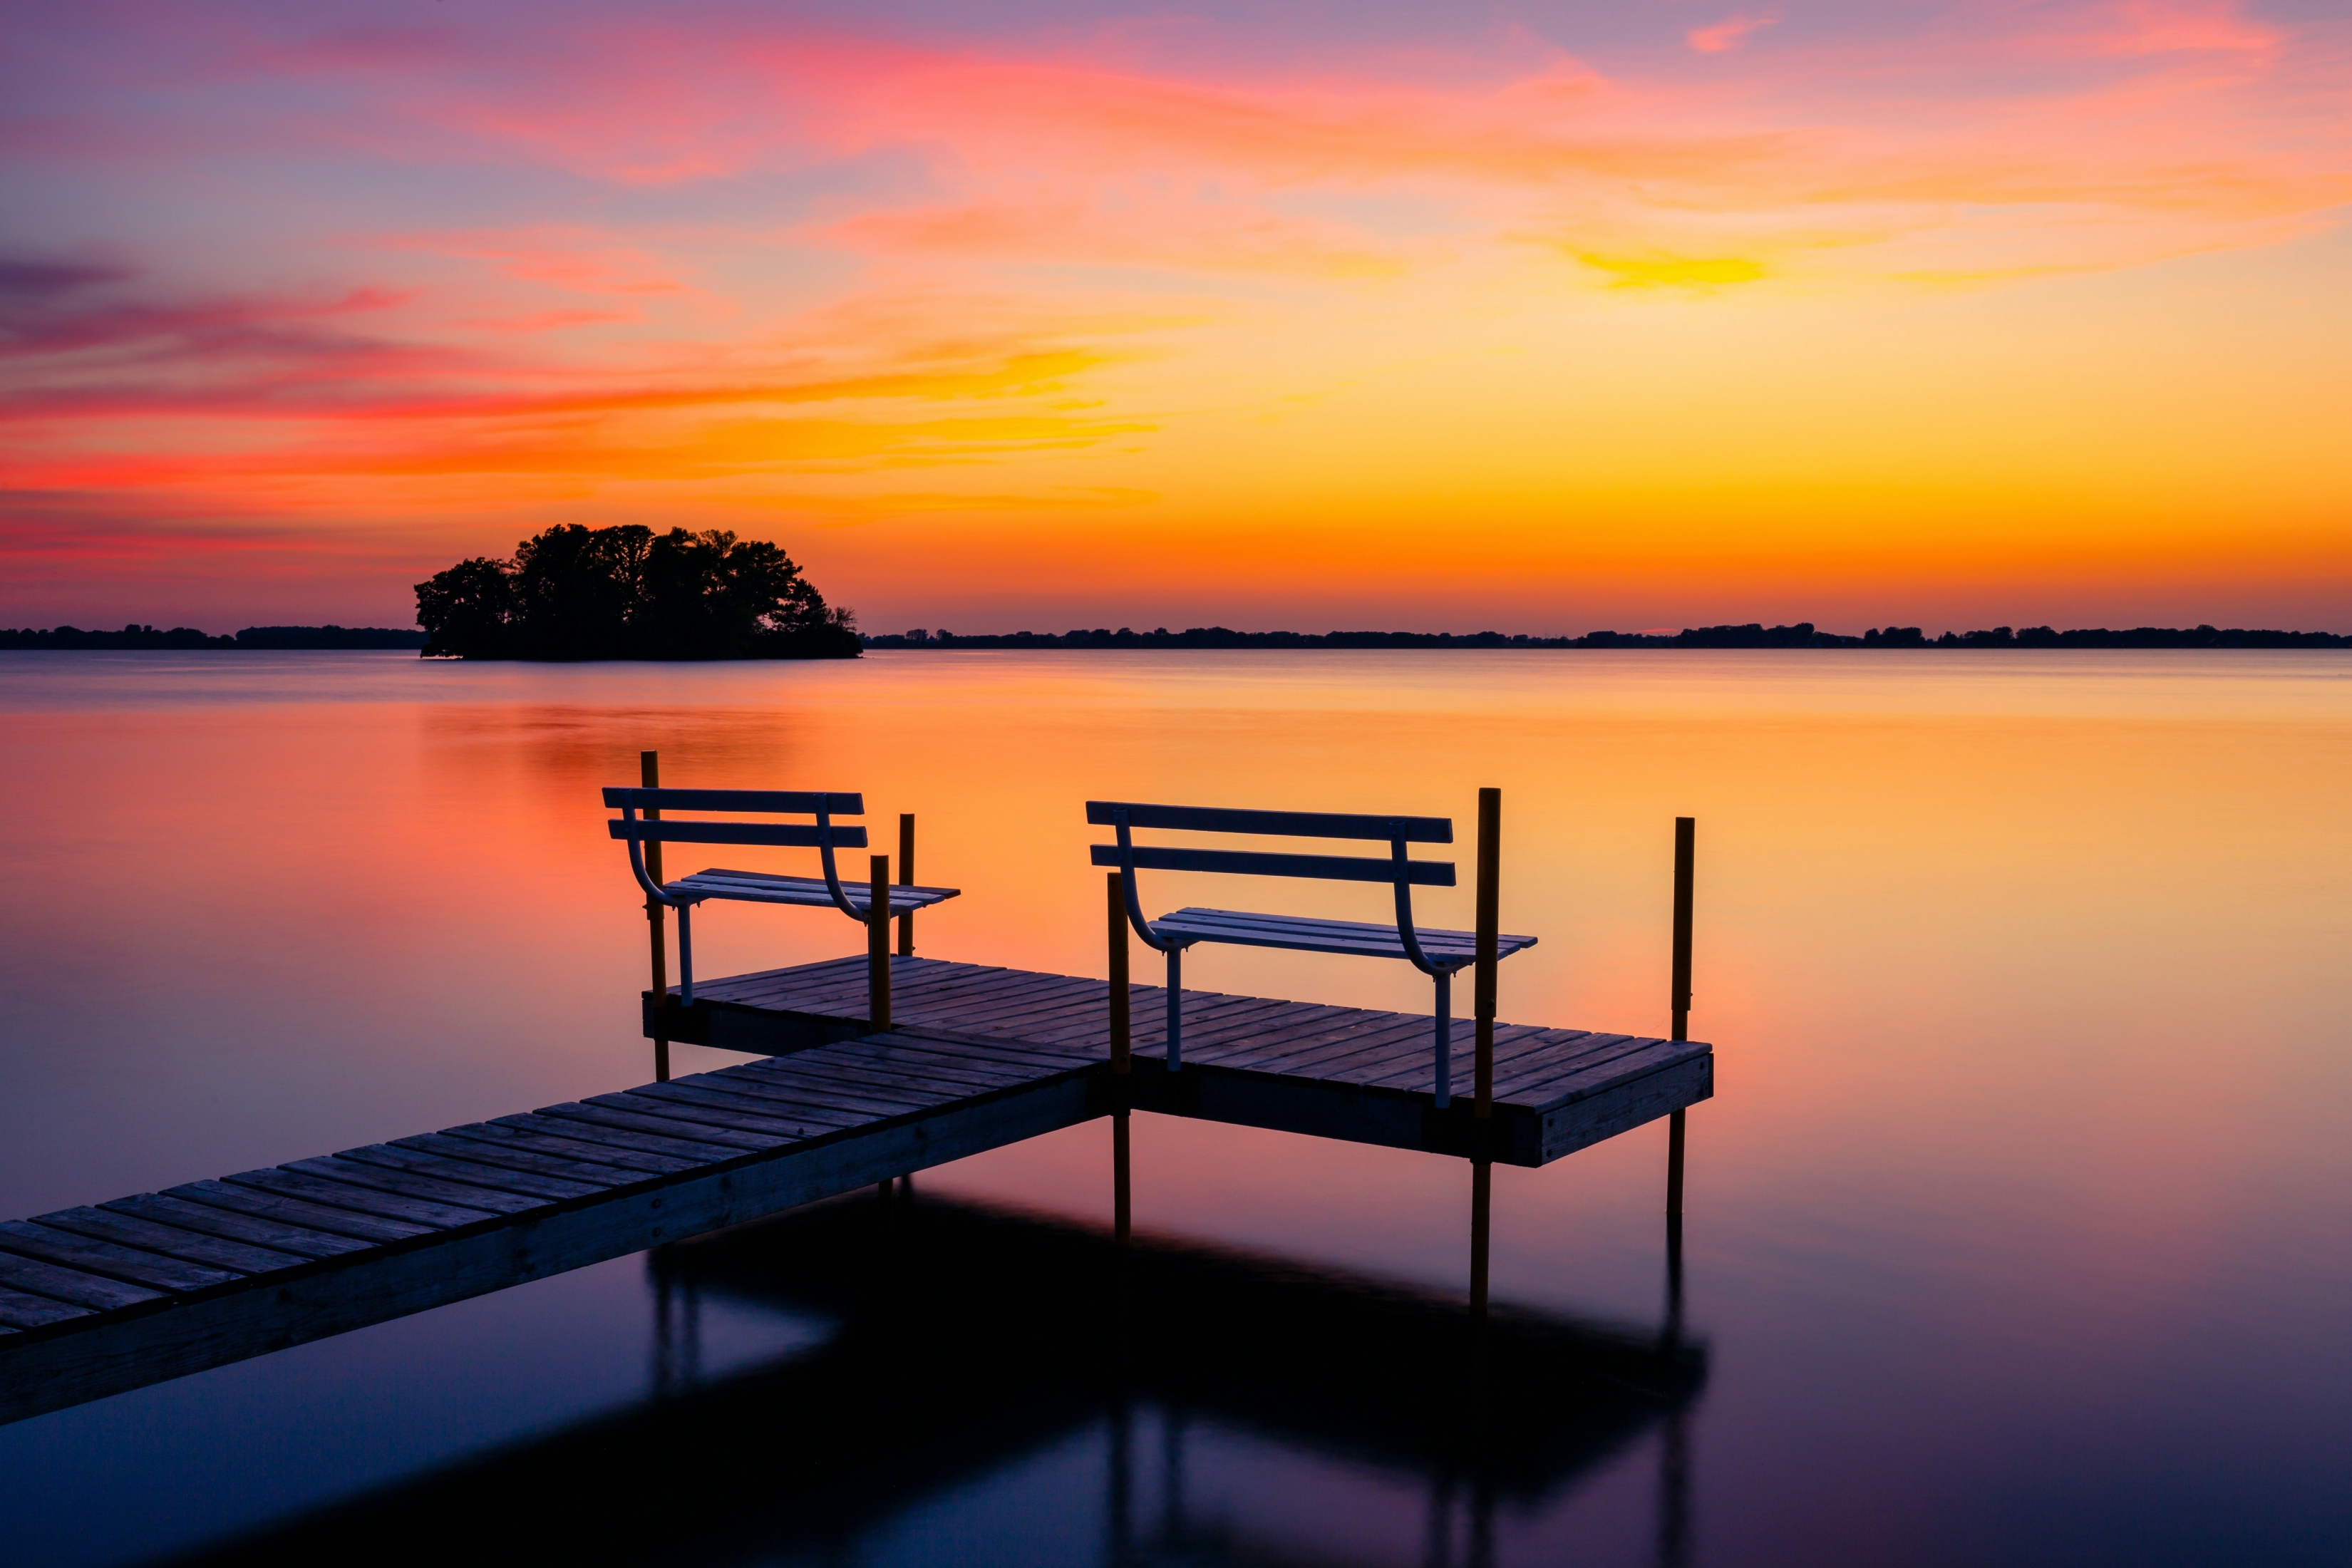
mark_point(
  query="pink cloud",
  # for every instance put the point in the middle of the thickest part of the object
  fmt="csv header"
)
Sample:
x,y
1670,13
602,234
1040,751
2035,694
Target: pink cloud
x,y
1728,34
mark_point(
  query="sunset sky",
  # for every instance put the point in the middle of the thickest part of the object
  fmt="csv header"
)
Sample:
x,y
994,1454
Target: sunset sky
x,y
1038,314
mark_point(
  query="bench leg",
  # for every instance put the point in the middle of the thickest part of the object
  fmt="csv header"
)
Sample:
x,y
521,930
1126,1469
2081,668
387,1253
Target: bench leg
x,y
1175,1008
1444,1038
685,954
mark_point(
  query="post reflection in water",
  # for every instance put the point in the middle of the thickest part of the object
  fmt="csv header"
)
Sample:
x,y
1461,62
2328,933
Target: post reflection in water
x,y
929,1382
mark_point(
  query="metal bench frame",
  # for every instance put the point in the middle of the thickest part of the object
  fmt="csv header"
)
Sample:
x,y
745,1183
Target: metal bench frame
x,y
823,835
1173,933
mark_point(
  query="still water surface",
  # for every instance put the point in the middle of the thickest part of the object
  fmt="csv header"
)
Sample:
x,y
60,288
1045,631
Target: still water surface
x,y
2020,1229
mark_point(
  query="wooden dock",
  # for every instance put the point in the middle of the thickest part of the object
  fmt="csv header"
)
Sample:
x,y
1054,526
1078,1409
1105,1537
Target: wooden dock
x,y
1351,1073
96,1301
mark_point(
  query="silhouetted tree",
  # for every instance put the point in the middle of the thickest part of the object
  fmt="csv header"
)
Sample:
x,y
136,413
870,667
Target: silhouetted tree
x,y
577,593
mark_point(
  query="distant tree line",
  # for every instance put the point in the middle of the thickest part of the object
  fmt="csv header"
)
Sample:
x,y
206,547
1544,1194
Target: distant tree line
x,y
276,637
1754,635
578,592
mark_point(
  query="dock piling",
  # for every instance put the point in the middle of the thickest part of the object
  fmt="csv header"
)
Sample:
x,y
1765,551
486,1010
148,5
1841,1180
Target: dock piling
x,y
906,880
1121,1057
1490,919
1490,865
877,945
649,773
1685,854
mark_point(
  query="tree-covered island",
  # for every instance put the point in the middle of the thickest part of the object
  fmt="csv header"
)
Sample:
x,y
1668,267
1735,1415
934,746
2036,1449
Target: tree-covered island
x,y
578,593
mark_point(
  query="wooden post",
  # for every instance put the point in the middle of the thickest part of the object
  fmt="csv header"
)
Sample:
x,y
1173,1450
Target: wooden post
x,y
1482,1009
1685,854
906,880
1490,864
1121,1024
649,773
1121,1060
877,945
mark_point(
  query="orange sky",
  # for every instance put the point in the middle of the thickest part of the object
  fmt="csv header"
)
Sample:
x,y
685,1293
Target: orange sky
x,y
1018,316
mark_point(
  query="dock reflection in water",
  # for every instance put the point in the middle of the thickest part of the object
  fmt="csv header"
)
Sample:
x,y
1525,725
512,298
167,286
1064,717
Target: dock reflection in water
x,y
971,1342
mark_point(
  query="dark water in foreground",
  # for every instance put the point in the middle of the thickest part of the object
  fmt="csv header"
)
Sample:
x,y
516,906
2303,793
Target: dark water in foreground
x,y
2017,1231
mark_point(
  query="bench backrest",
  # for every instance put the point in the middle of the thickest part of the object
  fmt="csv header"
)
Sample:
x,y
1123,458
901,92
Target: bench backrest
x,y
1396,867
823,835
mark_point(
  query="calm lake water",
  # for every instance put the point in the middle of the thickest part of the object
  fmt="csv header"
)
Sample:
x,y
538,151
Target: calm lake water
x,y
2020,1229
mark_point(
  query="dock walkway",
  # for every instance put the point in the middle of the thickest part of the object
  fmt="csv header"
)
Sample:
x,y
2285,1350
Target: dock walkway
x,y
97,1300
1352,1073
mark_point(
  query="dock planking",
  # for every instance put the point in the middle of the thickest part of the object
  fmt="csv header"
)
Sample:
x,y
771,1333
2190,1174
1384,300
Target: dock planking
x,y
97,1300
1352,1073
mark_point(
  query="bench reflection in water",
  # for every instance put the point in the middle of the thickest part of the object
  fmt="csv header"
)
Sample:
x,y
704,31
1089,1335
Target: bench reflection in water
x,y
968,1338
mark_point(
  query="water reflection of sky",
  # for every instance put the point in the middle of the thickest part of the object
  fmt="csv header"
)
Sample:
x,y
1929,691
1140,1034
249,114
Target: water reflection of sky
x,y
2016,1228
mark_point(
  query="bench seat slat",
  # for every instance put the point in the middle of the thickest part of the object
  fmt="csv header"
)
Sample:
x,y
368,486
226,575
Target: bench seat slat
x,y
1282,824
1264,863
1304,934
784,835
767,887
775,802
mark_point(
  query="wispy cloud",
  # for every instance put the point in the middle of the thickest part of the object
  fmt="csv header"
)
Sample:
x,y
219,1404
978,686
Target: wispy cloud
x,y
1717,37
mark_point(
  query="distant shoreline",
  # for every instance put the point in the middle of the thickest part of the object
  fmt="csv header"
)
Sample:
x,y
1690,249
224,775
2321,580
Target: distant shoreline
x,y
142,639
1751,635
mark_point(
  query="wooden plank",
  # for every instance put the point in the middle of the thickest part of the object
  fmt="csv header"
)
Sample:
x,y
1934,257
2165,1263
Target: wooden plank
x,y
1638,1057
1364,825
603,1128
1083,1026
989,1013
669,1128
844,994
772,802
404,1183
1299,1021
921,1079
271,1235
1600,1053
899,1051
1513,1043
1388,1031
1404,1059
558,1145
716,1109
1626,1106
19,1311
170,1240
35,1278
778,982
594,1176
286,1209
470,1171
89,1254
802,1096
976,1006
1012,1055
1296,1023
114,1355
784,1096
360,1199
1274,863
970,1074
843,977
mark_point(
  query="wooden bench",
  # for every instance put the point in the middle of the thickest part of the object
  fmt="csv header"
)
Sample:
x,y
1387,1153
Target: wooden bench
x,y
875,910
1436,953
